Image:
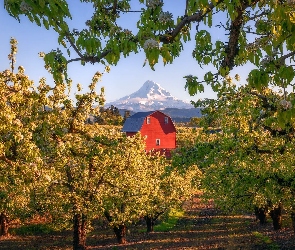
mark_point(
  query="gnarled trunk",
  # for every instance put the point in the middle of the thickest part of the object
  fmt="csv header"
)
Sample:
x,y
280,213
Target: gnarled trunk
x,y
149,223
261,214
276,215
79,237
4,223
120,232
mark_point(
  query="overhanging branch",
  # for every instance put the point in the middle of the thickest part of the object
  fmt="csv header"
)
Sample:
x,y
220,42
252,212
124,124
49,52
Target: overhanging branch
x,y
197,17
92,59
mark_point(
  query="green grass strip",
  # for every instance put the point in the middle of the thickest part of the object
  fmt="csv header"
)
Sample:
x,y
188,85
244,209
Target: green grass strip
x,y
266,241
35,229
170,222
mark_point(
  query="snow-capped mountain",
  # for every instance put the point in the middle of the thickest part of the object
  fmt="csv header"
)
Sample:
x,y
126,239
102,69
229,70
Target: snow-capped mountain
x,y
151,96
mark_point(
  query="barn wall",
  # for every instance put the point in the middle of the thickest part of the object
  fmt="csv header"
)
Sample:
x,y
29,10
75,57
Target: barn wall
x,y
157,129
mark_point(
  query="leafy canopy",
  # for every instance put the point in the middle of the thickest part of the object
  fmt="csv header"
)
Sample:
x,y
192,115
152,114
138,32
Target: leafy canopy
x,y
250,161
256,32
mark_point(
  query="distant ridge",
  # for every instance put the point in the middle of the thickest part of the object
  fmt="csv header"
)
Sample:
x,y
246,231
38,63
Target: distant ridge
x,y
151,96
177,115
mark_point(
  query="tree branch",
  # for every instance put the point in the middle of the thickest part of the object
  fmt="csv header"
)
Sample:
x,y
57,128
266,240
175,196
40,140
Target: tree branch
x,y
265,12
73,45
6,160
283,58
265,101
235,29
277,132
198,17
92,59
115,6
232,49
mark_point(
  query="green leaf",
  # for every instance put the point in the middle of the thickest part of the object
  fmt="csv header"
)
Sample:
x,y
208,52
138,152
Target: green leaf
x,y
42,3
207,60
208,77
45,23
287,72
251,57
282,119
258,79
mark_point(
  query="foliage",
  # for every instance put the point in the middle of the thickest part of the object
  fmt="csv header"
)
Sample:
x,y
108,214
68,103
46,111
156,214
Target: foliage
x,y
255,148
195,122
33,229
68,150
186,135
195,153
128,181
258,32
21,161
42,138
110,116
53,162
140,184
171,188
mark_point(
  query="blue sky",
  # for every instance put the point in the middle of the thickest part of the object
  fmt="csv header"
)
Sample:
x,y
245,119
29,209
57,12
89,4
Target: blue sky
x,y
124,78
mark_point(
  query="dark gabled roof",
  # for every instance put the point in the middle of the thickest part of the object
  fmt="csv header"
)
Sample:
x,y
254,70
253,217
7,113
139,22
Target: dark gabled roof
x,y
142,114
134,122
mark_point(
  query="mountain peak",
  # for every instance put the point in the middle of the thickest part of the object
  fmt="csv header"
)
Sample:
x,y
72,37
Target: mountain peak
x,y
150,89
151,96
150,84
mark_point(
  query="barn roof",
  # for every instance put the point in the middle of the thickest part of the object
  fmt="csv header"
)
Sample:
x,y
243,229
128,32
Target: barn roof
x,y
141,114
134,122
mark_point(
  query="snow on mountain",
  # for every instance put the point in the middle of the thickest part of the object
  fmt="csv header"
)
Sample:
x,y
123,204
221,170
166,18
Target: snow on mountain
x,y
151,96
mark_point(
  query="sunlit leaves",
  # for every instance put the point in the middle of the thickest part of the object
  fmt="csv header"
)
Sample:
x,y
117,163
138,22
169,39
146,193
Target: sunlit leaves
x,y
192,85
258,79
20,155
56,64
203,46
253,147
260,33
52,161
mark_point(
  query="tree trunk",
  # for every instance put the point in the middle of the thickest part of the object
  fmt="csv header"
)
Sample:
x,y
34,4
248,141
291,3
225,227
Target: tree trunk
x,y
120,232
4,224
276,215
79,237
149,223
293,220
261,214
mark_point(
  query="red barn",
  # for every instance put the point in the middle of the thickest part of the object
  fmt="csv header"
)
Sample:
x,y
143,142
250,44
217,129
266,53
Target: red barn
x,y
156,126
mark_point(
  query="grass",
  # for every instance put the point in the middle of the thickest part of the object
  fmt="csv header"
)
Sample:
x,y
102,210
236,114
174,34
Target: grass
x,y
266,240
33,229
169,223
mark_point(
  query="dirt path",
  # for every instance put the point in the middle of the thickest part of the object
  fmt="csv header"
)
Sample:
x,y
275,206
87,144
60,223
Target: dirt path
x,y
202,227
